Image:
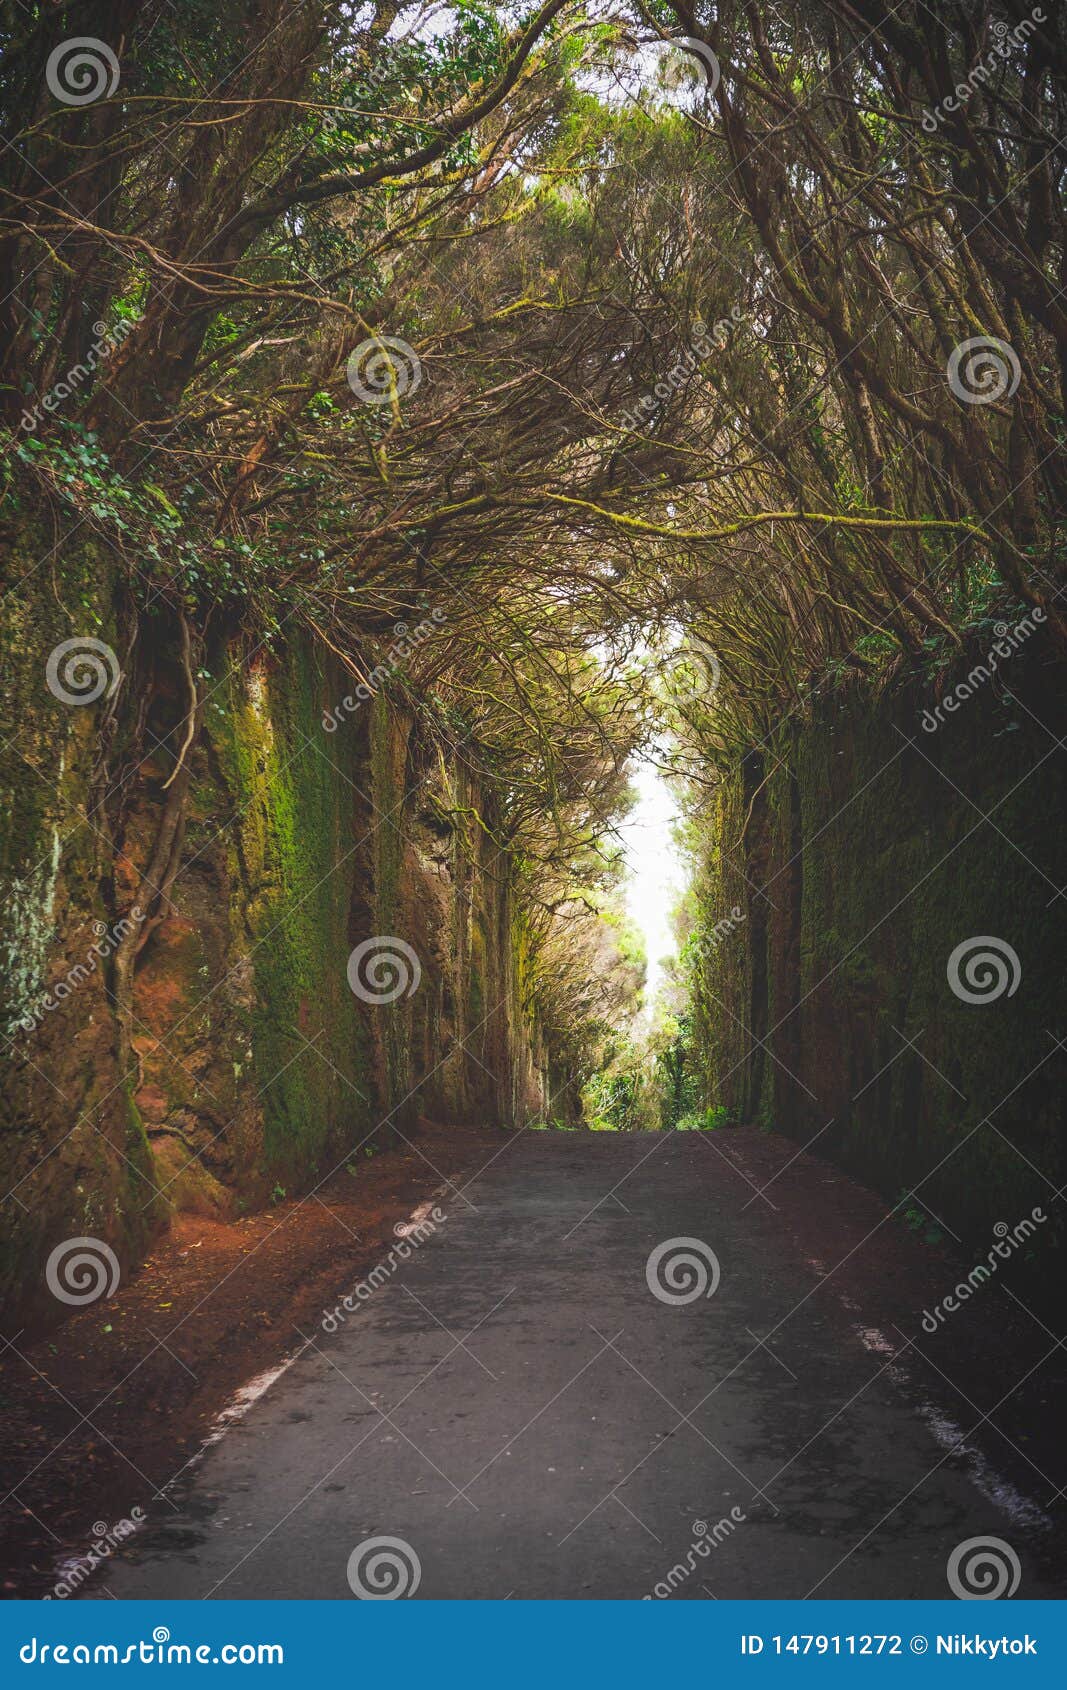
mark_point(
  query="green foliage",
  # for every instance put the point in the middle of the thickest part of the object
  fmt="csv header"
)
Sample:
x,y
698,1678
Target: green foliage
x,y
164,542
705,1120
619,1096
918,1221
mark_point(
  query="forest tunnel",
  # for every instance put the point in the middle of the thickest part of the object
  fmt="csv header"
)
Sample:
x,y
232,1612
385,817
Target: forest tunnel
x,y
410,437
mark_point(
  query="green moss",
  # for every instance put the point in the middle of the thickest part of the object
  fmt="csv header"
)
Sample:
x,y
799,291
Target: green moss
x,y
293,865
73,1143
44,762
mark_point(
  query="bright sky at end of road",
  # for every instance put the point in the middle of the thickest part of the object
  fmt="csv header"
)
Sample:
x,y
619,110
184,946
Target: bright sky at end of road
x,y
652,884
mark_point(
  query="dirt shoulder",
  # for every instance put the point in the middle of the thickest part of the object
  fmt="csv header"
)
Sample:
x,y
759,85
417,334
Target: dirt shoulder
x,y
106,1410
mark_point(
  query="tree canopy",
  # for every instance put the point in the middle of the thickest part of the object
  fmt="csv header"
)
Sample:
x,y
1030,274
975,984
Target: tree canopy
x,y
579,330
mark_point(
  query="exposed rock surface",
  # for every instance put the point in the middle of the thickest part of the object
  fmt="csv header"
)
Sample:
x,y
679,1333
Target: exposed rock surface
x,y
257,1066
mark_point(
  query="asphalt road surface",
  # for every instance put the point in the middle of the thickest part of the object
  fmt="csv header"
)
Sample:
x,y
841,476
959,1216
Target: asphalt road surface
x,y
524,1416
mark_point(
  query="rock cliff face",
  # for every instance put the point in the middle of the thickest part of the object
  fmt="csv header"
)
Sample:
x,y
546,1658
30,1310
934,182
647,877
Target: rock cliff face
x,y
259,1064
881,907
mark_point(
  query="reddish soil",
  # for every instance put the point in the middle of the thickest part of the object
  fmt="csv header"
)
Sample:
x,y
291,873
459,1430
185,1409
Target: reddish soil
x,y
103,1412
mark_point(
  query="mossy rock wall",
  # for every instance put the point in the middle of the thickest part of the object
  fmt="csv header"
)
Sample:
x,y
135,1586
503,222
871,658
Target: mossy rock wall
x,y
254,1056
74,1158
258,1069
461,1045
874,847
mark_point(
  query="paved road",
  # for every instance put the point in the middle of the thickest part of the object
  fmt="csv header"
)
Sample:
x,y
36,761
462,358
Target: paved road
x,y
519,1409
